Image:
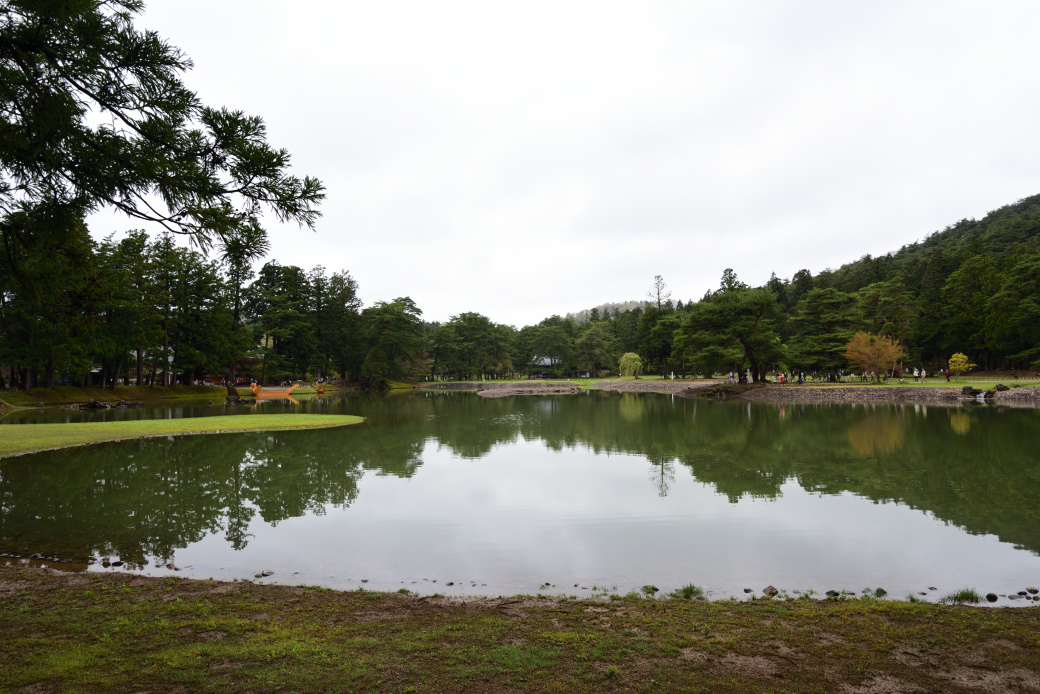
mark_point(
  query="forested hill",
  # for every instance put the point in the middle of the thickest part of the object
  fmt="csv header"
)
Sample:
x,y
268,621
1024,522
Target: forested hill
x,y
1010,230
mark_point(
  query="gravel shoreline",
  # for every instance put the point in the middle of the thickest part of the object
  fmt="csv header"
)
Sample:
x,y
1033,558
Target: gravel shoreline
x,y
502,390
670,386
836,393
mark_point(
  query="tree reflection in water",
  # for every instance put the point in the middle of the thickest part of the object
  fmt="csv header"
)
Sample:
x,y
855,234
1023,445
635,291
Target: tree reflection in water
x,y
146,499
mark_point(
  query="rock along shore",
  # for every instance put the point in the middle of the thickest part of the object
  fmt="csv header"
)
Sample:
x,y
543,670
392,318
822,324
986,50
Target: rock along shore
x,y
822,393
882,394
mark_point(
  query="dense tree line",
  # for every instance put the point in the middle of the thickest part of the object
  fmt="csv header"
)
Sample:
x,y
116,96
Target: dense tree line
x,y
154,312
972,288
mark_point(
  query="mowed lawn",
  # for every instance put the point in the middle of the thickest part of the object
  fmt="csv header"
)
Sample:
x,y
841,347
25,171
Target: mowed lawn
x,y
17,439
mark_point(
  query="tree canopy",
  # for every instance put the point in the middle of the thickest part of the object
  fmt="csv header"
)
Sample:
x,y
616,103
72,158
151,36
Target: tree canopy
x,y
95,114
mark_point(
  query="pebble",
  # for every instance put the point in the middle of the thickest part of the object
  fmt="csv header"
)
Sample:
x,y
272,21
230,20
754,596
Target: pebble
x,y
832,593
117,563
770,591
1014,596
992,597
1033,590
932,588
747,590
450,583
1022,592
364,580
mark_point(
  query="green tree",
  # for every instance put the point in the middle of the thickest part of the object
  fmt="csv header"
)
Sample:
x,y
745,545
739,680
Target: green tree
x,y
239,250
822,325
553,341
392,339
279,309
96,116
630,365
594,350
128,322
735,322
657,345
965,295
1013,312
336,308
49,327
888,308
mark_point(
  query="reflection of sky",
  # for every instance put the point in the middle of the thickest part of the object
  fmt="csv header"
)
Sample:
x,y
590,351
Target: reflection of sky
x,y
525,515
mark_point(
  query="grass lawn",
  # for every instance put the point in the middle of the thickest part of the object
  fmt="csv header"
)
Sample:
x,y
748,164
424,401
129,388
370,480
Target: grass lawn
x,y
122,632
16,439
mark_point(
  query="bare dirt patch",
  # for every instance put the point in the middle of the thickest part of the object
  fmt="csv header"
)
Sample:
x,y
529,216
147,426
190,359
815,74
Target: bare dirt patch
x,y
882,684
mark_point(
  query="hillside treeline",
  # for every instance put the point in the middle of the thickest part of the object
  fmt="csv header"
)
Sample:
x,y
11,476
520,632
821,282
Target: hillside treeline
x,y
148,311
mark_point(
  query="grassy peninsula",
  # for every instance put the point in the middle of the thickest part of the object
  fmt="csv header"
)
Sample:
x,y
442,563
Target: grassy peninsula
x,y
30,438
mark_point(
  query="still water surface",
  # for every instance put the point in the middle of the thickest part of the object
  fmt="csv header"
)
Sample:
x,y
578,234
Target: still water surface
x,y
504,496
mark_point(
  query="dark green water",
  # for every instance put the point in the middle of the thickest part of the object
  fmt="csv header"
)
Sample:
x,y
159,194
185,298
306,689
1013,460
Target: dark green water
x,y
503,496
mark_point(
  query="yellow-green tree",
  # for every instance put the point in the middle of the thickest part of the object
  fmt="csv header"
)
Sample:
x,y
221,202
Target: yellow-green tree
x,y
873,353
630,364
959,363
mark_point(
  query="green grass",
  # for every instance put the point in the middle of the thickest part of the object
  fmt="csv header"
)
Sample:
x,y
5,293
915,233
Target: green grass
x,y
117,632
961,597
17,439
688,592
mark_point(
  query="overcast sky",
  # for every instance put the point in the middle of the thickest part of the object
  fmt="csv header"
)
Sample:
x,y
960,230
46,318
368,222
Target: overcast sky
x,y
525,159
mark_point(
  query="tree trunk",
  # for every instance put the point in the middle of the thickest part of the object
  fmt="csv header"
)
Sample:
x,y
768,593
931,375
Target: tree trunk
x,y
140,365
115,374
49,373
166,359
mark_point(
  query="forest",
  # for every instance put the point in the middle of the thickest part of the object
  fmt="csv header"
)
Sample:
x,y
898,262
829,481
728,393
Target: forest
x,y
149,311
95,116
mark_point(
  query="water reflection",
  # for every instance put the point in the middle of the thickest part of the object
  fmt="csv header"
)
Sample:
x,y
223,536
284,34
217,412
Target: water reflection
x,y
149,498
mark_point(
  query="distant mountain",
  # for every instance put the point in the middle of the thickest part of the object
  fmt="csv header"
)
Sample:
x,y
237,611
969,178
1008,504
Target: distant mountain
x,y
607,310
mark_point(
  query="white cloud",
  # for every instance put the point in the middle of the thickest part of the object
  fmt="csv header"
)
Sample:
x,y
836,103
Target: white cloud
x,y
527,159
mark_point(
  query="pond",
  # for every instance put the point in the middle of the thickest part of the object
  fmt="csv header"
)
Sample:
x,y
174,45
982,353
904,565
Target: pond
x,y
451,493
